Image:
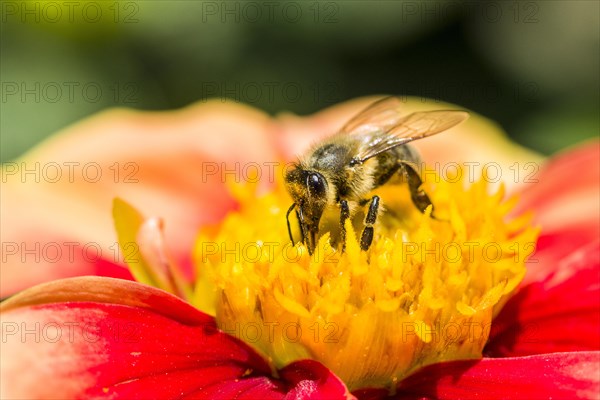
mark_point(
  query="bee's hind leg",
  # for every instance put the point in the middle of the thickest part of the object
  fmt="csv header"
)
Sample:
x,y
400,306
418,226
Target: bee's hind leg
x,y
418,196
367,234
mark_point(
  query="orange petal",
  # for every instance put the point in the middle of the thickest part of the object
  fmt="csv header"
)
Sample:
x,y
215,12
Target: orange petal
x,y
172,165
167,163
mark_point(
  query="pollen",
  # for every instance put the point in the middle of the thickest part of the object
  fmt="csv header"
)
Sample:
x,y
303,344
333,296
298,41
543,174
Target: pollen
x,y
426,290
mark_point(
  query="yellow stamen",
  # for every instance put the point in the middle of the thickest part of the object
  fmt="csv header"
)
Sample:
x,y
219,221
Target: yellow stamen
x,y
425,292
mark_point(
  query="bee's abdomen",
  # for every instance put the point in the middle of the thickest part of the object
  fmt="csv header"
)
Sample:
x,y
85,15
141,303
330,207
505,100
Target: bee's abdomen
x,y
408,153
389,162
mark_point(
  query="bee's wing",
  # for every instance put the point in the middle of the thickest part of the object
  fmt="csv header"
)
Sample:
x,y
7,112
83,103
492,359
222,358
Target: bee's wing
x,y
378,117
412,127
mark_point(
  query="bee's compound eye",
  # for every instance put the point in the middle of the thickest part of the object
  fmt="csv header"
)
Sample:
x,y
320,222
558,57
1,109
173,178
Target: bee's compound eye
x,y
317,186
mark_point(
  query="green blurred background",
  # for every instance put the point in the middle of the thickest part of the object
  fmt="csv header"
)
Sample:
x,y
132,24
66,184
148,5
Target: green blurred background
x,y
533,66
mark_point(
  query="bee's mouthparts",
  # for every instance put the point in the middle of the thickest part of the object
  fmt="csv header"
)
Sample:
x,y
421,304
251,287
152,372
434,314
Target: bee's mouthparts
x,y
311,239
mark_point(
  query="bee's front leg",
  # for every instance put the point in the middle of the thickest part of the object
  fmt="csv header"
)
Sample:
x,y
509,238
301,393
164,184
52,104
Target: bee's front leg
x,y
367,234
302,234
344,215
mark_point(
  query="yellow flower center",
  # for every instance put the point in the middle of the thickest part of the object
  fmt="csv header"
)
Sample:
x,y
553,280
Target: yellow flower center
x,y
426,291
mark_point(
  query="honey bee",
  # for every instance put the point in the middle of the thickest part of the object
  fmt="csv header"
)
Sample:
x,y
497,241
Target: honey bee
x,y
365,154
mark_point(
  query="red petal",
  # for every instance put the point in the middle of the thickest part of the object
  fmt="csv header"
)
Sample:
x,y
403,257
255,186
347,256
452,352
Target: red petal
x,y
575,172
547,376
560,313
100,337
556,245
311,380
38,260
372,394
566,204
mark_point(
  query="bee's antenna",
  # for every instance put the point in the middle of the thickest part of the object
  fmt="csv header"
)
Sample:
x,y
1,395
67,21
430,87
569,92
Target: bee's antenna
x,y
287,217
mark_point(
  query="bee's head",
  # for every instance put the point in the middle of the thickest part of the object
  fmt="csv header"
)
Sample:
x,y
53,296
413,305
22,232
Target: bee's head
x,y
309,190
